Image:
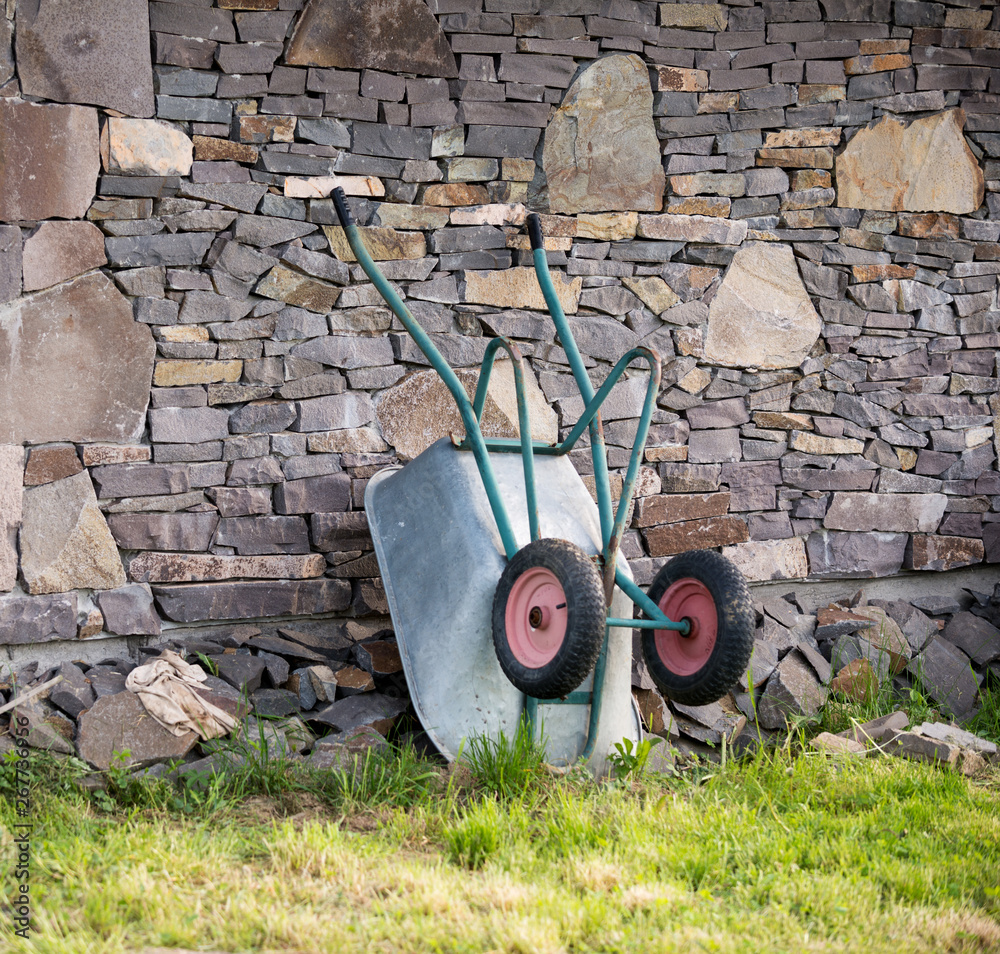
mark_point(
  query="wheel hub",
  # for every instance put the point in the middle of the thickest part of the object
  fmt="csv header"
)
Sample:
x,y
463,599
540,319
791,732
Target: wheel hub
x,y
536,617
688,599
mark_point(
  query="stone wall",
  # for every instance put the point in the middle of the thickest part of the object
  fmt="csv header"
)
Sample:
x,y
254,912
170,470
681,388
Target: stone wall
x,y
791,200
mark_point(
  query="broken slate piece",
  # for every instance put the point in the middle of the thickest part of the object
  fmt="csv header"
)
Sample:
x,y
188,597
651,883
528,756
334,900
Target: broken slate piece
x,y
48,730
380,657
74,694
274,702
974,636
909,745
243,672
371,709
763,661
956,736
275,669
352,681
946,673
792,690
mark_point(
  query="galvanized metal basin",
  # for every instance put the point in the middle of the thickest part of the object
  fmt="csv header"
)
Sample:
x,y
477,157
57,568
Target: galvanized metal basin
x,y
441,558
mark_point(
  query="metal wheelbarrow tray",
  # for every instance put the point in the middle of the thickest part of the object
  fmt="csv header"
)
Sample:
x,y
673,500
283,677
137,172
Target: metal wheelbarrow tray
x,y
504,580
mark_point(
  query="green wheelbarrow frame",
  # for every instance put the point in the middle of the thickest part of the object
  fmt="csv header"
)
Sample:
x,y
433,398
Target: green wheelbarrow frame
x,y
612,520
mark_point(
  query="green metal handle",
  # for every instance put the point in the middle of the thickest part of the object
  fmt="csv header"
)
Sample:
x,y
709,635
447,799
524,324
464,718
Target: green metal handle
x,y
473,433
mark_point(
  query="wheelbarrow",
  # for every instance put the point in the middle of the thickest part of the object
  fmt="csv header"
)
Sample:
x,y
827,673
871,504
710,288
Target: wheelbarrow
x,y
508,594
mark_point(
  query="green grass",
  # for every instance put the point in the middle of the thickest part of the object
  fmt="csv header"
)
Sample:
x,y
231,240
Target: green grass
x,y
783,852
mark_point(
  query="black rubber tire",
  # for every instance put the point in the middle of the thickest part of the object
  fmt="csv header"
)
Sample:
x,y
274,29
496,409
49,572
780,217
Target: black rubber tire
x,y
734,637
586,617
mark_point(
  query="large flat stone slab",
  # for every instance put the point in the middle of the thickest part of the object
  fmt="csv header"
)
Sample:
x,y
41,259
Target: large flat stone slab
x,y
193,568
191,602
145,147
11,477
58,251
74,365
761,316
37,619
924,167
97,53
49,161
121,724
420,410
900,513
65,540
400,36
760,560
600,152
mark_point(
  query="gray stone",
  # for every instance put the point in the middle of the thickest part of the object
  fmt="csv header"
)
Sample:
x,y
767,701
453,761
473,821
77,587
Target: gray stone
x,y
140,480
46,729
912,746
37,619
274,703
258,535
276,668
242,672
6,53
956,736
128,611
192,20
333,532
194,602
323,493
402,36
835,555
342,351
915,625
371,709
947,676
97,55
188,532
120,724
11,262
58,160
74,694
763,662
335,411
188,248
728,413
886,512
792,690
601,152
65,541
11,478
264,231
184,425
976,637
57,251
239,196
714,446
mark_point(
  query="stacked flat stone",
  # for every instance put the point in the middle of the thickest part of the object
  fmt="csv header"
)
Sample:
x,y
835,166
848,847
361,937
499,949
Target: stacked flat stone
x,y
795,203
856,651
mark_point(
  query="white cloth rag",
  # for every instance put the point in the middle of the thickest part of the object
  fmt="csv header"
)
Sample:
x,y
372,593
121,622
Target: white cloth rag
x,y
166,687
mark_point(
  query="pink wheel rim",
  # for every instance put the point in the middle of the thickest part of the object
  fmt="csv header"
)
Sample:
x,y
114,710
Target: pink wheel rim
x,y
536,617
687,599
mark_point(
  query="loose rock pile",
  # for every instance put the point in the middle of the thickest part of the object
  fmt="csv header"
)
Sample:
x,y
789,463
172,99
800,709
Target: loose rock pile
x,y
287,687
292,685
857,650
